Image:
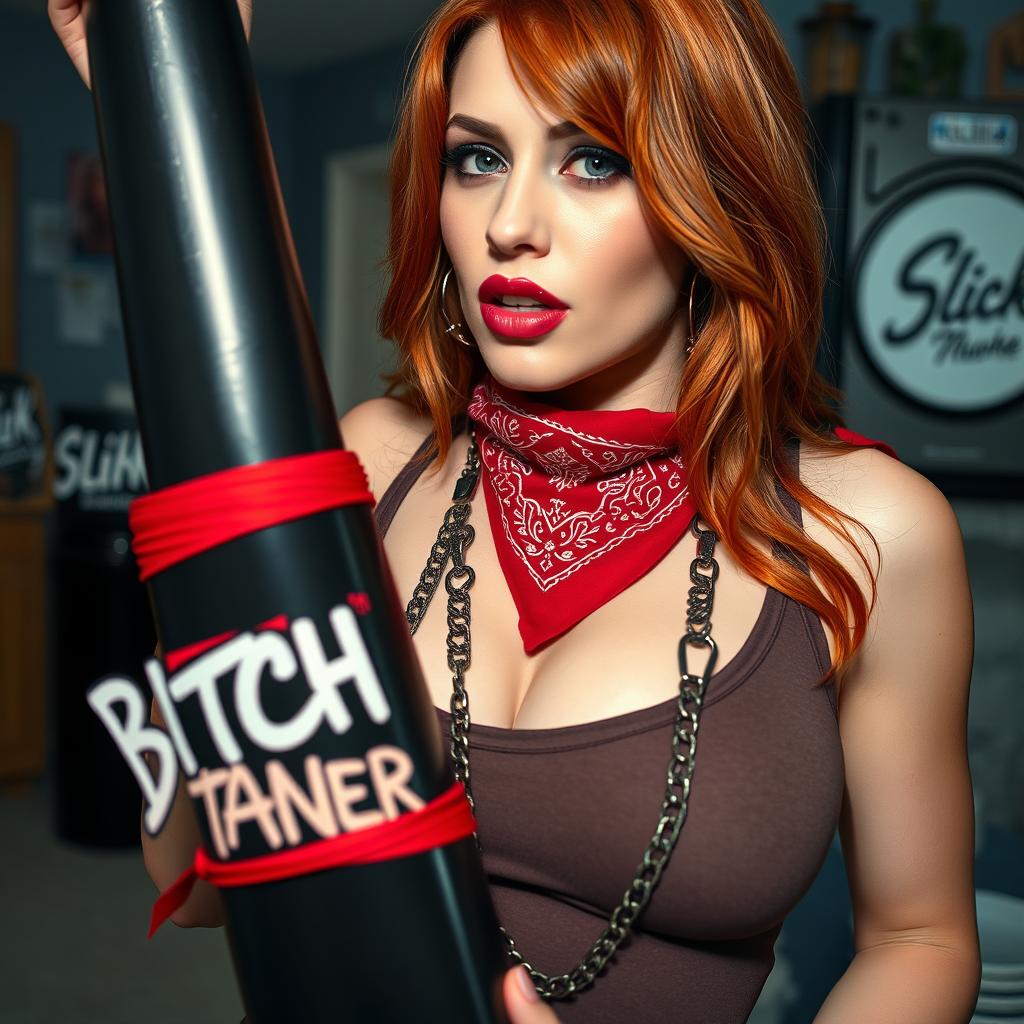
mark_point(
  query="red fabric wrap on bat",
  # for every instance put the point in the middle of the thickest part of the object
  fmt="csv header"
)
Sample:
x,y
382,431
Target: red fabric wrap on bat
x,y
446,819
186,519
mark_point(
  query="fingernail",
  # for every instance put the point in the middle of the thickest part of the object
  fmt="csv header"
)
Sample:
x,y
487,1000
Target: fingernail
x,y
523,979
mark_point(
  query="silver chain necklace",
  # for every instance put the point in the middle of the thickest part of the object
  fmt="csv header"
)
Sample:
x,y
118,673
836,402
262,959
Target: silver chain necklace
x,y
452,540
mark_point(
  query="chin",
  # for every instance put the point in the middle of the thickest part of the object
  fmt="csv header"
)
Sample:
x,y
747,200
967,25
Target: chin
x,y
526,368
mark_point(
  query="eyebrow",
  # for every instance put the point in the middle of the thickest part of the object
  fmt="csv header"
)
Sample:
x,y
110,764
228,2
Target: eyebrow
x,y
473,124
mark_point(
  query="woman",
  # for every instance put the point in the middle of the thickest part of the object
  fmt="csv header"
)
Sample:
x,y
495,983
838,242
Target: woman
x,y
640,169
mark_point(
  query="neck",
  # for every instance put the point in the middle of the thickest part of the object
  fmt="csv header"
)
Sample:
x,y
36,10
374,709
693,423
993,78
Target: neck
x,y
600,394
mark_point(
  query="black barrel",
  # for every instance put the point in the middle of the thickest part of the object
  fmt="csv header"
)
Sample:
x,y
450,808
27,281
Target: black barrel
x,y
102,619
226,373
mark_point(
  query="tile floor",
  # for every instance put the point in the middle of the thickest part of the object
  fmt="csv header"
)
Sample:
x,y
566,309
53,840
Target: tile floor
x,y
73,923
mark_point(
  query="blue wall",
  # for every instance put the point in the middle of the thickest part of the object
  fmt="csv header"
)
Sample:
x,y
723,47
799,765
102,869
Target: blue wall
x,y
42,96
342,105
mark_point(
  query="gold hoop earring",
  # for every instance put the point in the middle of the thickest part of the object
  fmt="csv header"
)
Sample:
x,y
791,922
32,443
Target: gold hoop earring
x,y
452,329
691,336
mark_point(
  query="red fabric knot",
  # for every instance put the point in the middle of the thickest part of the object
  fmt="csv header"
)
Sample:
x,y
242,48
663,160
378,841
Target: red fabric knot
x,y
852,437
445,819
186,519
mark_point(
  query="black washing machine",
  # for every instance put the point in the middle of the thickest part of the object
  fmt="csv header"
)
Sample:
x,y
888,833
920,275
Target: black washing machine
x,y
924,313
103,624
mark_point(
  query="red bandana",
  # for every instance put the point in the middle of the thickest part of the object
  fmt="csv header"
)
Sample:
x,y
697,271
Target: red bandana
x,y
566,490
581,503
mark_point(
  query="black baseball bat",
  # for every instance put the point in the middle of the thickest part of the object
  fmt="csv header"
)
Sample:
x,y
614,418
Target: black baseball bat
x,y
227,373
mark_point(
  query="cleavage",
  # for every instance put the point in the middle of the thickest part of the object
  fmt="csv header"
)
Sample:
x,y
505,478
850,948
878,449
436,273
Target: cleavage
x,y
621,658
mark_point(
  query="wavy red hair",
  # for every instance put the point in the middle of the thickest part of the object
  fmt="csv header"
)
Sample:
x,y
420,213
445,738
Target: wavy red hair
x,y
703,100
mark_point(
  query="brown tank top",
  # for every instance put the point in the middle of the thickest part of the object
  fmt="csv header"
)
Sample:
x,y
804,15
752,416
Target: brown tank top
x,y
565,814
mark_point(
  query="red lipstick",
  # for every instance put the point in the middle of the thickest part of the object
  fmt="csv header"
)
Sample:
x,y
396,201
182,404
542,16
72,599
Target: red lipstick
x,y
522,322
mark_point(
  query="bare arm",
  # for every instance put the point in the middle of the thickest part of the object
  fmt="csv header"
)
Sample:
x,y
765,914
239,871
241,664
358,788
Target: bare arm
x,y
907,821
169,853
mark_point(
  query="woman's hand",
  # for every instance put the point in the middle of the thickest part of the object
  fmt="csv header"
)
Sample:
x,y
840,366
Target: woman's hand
x,y
68,20
522,1002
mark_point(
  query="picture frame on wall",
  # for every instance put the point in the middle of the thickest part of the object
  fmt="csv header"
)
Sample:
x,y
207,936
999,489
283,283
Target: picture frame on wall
x,y
90,233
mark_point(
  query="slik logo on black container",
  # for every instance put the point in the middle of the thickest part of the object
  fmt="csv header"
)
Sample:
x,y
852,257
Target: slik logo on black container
x,y
103,469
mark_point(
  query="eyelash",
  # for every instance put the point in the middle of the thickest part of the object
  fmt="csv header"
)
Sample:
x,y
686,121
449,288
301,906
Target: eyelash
x,y
454,157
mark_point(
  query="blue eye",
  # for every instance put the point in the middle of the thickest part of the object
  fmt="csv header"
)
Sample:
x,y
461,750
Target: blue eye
x,y
485,160
595,159
605,164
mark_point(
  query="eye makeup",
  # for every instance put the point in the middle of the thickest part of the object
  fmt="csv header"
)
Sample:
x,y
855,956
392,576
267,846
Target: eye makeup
x,y
619,167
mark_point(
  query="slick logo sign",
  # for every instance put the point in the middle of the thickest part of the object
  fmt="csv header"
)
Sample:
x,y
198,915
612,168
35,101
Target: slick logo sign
x,y
938,297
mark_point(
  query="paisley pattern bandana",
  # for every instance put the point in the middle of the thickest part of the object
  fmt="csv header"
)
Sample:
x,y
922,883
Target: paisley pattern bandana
x,y
581,503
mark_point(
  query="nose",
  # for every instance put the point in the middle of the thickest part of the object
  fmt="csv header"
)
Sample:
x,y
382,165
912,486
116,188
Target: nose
x,y
520,222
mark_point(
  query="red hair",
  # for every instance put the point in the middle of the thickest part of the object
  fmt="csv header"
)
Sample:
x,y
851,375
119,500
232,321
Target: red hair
x,y
703,101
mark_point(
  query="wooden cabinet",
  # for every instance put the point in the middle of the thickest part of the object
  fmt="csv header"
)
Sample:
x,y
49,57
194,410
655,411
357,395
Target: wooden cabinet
x,y
22,644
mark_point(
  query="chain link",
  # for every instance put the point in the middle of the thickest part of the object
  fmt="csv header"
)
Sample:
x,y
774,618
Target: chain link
x,y
455,535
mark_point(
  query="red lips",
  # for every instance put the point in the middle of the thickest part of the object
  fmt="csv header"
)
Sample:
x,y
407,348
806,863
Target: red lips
x,y
496,286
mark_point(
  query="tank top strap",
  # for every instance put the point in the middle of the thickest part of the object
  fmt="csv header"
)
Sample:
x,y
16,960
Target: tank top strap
x,y
791,450
385,509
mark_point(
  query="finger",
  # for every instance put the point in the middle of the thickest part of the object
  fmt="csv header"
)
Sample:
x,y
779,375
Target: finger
x,y
68,22
522,1001
245,9
60,7
63,14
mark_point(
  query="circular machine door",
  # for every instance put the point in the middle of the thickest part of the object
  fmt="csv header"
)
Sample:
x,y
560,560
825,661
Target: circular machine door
x,y
936,294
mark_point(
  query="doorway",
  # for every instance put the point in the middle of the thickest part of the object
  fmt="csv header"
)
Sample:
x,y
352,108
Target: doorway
x,y
355,280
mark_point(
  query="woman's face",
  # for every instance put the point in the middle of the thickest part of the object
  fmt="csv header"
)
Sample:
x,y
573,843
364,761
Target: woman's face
x,y
529,205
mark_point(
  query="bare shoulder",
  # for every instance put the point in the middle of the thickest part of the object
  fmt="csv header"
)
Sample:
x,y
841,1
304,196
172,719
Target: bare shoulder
x,y
919,560
909,517
385,434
